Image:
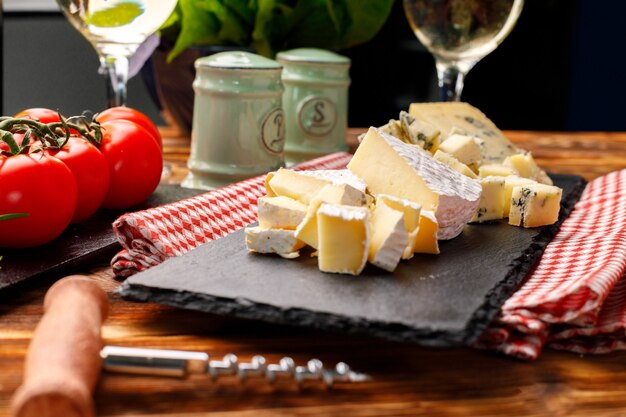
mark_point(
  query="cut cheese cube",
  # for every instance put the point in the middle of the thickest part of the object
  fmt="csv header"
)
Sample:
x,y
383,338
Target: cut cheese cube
x,y
343,238
337,177
411,213
426,241
454,163
419,132
394,128
389,237
525,165
535,205
492,199
332,194
390,166
292,184
466,149
462,118
279,241
511,182
280,212
495,170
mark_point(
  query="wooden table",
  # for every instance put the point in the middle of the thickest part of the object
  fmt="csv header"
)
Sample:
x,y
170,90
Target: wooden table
x,y
408,380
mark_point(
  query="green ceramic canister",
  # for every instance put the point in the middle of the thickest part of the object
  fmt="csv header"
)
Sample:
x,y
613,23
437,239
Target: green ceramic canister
x,y
238,128
315,102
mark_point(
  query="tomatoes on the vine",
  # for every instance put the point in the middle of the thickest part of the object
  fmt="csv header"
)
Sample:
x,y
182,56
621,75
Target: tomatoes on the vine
x,y
134,160
127,113
39,113
41,187
90,169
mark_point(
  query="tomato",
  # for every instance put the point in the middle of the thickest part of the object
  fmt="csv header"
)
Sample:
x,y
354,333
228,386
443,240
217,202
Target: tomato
x,y
126,113
134,160
91,172
45,189
41,114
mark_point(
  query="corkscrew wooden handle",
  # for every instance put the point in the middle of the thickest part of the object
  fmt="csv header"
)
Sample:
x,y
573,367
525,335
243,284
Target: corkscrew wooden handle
x,y
63,361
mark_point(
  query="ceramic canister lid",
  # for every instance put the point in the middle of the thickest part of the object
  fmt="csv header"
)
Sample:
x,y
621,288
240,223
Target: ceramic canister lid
x,y
237,60
313,56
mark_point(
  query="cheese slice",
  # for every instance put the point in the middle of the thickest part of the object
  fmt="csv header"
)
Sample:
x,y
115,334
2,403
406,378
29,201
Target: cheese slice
x,y
389,237
343,238
279,241
332,194
491,206
511,182
454,163
463,118
495,170
419,132
466,149
535,205
426,240
390,166
411,212
525,165
280,212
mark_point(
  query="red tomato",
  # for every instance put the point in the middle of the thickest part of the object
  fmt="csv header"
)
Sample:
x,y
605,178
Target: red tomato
x,y
41,114
91,171
126,113
45,189
134,160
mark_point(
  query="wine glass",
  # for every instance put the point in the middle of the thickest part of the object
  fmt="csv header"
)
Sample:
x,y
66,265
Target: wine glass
x,y
116,28
459,33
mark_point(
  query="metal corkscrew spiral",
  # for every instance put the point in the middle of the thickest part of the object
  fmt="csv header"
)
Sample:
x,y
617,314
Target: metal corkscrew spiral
x,y
177,363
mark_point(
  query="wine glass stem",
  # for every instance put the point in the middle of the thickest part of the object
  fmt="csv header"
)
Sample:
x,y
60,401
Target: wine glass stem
x,y
115,68
451,79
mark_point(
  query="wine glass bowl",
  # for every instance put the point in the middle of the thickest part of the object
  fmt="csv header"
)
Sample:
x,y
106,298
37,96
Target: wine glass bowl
x,y
459,33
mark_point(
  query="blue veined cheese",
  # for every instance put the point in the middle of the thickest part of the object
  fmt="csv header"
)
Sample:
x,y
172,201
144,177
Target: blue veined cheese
x,y
279,241
344,238
389,237
280,212
535,205
465,119
420,132
390,166
492,200
510,183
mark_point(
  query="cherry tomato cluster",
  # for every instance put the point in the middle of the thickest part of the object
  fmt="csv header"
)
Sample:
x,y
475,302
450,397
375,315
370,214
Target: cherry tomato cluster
x,y
55,171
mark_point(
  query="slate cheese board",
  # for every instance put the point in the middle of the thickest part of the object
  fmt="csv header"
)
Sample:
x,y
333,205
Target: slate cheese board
x,y
433,300
81,245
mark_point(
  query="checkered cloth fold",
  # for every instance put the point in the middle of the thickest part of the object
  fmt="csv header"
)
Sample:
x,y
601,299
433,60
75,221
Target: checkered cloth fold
x,y
574,299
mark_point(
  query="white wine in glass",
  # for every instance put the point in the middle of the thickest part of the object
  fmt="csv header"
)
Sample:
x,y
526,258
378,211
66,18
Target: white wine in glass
x,y
116,28
459,33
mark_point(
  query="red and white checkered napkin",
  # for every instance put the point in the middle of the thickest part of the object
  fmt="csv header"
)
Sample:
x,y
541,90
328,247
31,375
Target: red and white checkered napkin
x,y
575,299
151,236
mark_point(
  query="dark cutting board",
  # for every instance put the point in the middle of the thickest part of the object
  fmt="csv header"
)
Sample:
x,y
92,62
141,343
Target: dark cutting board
x,y
80,246
442,300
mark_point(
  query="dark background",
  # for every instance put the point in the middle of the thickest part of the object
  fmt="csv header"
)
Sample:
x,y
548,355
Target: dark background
x,y
560,69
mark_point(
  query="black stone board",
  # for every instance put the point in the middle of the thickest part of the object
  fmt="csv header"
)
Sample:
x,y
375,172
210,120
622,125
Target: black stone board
x,y
433,300
81,245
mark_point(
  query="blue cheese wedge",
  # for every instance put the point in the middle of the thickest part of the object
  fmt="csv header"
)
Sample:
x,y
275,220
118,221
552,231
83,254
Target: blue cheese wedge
x,y
389,237
491,206
280,212
535,205
279,241
419,132
390,166
344,238
510,183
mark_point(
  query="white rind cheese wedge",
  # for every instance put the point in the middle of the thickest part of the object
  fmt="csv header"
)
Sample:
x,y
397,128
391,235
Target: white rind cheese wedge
x,y
426,241
454,163
511,182
389,237
466,149
343,238
535,205
491,206
337,177
279,241
457,117
280,212
411,213
390,166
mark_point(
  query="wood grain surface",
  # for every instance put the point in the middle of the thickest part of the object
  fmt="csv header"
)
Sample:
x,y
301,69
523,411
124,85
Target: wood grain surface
x,y
408,380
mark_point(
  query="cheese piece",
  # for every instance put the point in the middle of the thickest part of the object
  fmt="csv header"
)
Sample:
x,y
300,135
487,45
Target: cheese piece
x,y
419,132
292,184
511,182
389,237
280,212
426,240
411,213
463,118
390,166
535,205
525,165
279,241
394,128
466,149
454,163
332,194
495,170
343,238
491,206
338,177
